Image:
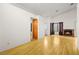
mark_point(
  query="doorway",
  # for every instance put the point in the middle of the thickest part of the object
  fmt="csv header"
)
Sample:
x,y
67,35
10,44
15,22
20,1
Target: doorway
x,y
35,29
56,28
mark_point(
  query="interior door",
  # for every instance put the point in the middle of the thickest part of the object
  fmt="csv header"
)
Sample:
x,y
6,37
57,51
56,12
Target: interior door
x,y
60,28
51,28
35,29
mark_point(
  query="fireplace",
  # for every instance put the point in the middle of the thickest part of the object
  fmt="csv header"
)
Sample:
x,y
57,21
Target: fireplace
x,y
68,32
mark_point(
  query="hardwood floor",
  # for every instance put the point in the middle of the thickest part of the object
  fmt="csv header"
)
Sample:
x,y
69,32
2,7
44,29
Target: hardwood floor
x,y
49,45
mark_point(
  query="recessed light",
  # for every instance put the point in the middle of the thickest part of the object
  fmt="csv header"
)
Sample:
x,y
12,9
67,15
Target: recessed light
x,y
56,10
71,4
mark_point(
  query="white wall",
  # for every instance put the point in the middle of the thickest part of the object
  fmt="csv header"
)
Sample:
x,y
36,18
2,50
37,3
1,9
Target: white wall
x,y
41,27
1,18
44,26
69,19
77,25
15,24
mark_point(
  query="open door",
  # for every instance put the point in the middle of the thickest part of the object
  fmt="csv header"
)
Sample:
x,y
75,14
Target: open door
x,y
51,28
60,28
56,28
35,29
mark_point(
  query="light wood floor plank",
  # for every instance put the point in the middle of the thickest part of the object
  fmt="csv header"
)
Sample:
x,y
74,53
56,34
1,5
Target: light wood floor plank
x,y
49,45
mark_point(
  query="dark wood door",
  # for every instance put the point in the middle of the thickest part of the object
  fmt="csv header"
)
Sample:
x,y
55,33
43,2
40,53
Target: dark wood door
x,y
51,28
35,29
60,28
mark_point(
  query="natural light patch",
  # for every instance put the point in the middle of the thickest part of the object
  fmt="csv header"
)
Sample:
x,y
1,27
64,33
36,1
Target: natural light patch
x,y
75,45
56,41
45,42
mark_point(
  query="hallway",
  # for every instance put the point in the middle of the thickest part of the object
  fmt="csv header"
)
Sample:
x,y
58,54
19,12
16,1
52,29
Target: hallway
x,y
48,45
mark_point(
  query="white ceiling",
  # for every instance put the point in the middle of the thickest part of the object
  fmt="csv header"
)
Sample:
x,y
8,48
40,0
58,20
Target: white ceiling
x,y
46,9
